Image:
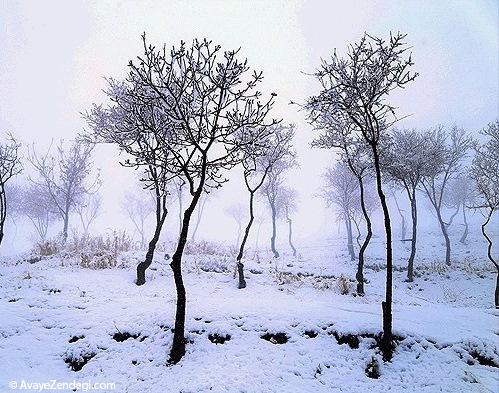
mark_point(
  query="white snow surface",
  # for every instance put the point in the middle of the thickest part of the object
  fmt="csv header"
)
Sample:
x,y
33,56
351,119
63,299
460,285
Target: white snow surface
x,y
443,318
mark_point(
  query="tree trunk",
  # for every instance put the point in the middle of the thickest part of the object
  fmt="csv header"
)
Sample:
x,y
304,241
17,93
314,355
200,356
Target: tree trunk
x,y
453,215
351,251
161,213
497,290
3,210
443,228
240,266
66,226
386,344
414,216
360,266
178,346
274,230
465,233
489,255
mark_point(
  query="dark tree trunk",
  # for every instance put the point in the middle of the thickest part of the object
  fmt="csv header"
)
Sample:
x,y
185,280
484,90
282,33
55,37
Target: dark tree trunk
x,y
3,210
351,251
386,342
161,213
178,346
443,228
497,290
414,216
465,233
489,255
240,265
360,266
274,231
290,235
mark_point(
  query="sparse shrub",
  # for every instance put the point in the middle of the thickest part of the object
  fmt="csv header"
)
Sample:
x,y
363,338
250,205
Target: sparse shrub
x,y
214,264
47,247
94,252
204,247
324,283
101,260
287,278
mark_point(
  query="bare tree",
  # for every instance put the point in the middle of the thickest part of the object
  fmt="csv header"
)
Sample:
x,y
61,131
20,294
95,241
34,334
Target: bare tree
x,y
10,166
88,209
207,97
271,190
134,121
356,88
64,176
139,205
406,161
37,206
258,160
449,150
341,189
485,173
338,132
460,196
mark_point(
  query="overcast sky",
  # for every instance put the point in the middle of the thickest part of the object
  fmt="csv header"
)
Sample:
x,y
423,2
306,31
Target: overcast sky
x,y
54,55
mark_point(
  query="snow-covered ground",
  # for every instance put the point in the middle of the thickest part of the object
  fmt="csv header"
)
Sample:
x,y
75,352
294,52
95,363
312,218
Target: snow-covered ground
x,y
53,310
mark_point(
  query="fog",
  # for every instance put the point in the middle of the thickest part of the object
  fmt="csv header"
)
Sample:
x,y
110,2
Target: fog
x,y
54,56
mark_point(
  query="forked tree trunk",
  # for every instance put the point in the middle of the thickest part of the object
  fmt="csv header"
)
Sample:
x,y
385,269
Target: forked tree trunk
x,y
386,341
443,228
351,251
451,219
360,266
178,346
274,231
414,216
465,233
161,213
